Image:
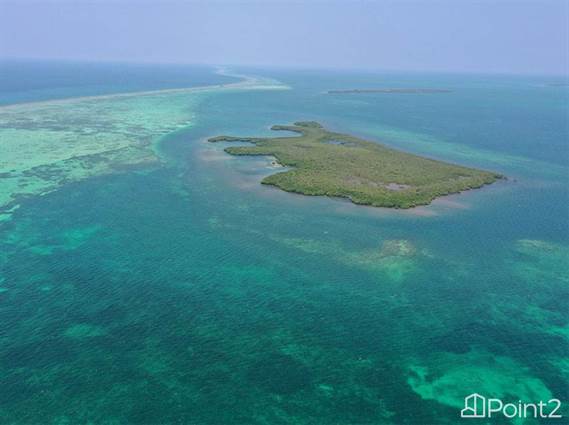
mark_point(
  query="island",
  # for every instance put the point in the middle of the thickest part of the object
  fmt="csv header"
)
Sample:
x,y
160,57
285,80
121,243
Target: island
x,y
326,163
390,90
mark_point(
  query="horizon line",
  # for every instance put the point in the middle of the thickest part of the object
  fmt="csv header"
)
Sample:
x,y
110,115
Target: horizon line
x,y
285,66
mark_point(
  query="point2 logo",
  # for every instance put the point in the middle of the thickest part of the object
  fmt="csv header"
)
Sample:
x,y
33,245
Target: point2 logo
x,y
478,406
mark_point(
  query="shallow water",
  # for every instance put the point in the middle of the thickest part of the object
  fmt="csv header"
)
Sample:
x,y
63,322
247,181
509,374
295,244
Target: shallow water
x,y
186,292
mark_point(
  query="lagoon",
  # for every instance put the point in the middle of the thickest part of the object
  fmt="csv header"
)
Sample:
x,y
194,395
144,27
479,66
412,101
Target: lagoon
x,y
184,291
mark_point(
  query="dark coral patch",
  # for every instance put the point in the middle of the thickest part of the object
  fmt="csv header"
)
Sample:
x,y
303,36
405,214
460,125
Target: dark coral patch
x,y
280,374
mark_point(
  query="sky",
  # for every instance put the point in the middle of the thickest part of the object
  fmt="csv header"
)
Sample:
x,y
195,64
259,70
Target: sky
x,y
502,36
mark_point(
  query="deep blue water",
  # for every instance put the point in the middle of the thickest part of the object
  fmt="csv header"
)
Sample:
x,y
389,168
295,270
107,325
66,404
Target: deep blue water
x,y
28,80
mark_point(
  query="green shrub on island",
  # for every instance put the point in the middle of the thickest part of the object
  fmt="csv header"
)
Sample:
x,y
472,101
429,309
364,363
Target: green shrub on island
x,y
325,163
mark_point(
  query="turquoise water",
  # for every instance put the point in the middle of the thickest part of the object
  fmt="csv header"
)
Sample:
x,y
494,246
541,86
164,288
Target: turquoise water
x,y
188,293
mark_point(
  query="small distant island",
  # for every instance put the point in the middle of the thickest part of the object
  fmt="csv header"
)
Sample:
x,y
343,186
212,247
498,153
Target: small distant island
x,y
390,90
325,163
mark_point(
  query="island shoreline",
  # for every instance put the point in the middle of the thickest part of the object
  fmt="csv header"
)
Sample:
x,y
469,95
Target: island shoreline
x,y
325,163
